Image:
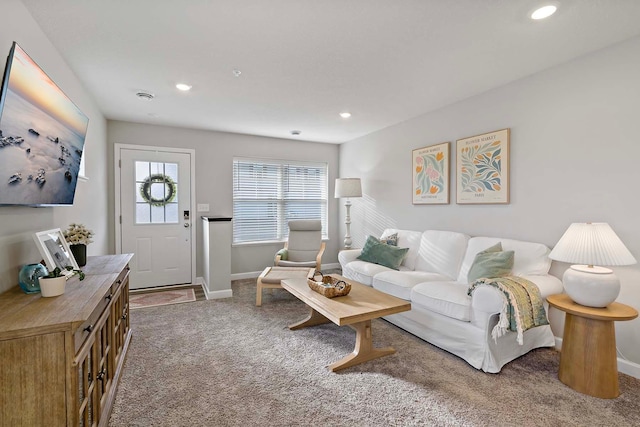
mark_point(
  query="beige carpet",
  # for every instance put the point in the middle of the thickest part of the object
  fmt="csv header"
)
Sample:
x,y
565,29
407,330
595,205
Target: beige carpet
x,y
156,298
229,363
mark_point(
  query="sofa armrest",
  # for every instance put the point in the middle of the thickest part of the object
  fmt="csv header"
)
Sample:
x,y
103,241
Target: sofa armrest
x,y
547,284
348,255
487,300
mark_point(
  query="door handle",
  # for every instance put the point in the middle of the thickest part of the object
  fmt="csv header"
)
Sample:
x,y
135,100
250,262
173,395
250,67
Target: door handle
x,y
186,225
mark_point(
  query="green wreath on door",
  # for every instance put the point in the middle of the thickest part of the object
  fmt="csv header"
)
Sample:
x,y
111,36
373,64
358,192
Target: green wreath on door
x,y
145,189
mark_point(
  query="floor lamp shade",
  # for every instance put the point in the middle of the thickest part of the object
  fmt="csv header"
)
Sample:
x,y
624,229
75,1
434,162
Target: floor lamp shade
x,y
348,187
590,246
345,188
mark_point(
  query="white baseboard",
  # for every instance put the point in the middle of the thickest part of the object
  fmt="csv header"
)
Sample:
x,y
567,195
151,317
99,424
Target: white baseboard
x,y
255,274
625,366
249,275
227,293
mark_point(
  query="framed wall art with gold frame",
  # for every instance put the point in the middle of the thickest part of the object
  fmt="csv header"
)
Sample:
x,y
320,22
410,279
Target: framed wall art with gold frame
x,y
430,172
482,168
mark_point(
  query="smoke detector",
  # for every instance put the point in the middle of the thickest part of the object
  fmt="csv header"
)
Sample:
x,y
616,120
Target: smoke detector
x,y
146,96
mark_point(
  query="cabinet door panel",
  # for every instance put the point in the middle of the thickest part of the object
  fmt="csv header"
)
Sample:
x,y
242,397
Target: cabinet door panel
x,y
32,378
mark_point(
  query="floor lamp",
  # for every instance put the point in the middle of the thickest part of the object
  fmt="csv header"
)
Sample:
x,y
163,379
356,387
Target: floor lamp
x,y
345,188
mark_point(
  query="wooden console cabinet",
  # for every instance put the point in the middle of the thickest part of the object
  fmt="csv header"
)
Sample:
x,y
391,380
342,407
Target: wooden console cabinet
x,y
61,357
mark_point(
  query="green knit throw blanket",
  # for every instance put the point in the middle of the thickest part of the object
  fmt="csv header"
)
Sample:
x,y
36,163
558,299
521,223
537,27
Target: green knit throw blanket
x,y
522,308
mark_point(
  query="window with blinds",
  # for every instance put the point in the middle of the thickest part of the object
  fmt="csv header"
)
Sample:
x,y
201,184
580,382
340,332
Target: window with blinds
x,y
269,193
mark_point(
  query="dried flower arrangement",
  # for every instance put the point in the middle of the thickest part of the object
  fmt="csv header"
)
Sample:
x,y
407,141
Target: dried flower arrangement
x,y
78,234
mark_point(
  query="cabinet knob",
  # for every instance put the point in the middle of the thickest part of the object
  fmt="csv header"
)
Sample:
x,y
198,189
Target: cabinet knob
x,y
124,316
108,297
101,375
89,328
118,281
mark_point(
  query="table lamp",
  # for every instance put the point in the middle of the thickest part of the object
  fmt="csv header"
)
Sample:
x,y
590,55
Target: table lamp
x,y
589,246
348,187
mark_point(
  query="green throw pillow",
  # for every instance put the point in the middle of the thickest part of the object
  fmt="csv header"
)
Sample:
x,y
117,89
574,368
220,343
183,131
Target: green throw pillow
x,y
382,254
284,254
492,262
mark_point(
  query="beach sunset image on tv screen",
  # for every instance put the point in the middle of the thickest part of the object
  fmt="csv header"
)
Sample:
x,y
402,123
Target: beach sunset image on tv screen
x,y
42,135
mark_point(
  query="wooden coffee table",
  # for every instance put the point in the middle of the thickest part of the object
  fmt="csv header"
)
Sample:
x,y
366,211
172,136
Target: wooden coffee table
x,y
355,310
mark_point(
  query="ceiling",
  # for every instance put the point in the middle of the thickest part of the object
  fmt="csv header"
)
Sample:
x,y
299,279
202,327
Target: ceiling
x,y
305,61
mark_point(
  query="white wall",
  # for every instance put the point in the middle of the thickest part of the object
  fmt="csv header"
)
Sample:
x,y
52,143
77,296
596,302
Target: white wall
x,y
17,224
214,162
575,145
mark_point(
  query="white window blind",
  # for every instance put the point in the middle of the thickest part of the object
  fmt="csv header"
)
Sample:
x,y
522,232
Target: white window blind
x,y
269,193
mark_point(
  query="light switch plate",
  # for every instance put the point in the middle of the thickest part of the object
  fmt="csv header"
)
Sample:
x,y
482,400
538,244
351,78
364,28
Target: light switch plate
x,y
203,207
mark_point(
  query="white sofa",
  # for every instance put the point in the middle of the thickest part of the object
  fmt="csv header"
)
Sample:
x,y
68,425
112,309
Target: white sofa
x,y
433,276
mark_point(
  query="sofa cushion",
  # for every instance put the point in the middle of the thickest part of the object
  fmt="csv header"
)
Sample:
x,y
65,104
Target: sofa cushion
x,y
407,239
380,253
441,252
447,298
529,258
363,272
492,262
399,283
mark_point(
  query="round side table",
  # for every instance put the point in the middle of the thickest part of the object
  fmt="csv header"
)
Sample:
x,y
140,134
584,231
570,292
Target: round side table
x,y
588,362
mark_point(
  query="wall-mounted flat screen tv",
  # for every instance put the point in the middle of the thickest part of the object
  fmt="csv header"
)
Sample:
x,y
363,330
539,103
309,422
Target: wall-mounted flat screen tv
x,y
42,135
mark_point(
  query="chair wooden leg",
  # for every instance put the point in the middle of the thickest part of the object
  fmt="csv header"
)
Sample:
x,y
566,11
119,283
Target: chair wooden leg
x,y
259,286
258,294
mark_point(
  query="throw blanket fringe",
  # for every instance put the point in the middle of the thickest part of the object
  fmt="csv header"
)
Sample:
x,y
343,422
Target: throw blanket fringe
x,y
522,306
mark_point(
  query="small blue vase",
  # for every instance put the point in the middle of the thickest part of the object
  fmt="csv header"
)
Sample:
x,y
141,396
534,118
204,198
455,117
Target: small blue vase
x,y
29,275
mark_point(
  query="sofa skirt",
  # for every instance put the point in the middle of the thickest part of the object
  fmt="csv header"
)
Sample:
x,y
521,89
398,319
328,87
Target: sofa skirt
x,y
473,344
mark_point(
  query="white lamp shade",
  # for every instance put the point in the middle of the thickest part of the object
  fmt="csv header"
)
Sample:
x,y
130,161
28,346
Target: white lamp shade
x,y
348,187
591,244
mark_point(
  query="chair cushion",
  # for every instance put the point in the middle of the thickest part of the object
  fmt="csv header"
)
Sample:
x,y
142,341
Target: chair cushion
x,y
399,283
492,262
285,263
276,274
382,254
305,239
447,298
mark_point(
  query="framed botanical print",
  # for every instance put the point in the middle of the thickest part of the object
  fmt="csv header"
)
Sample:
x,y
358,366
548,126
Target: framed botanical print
x,y
430,171
482,168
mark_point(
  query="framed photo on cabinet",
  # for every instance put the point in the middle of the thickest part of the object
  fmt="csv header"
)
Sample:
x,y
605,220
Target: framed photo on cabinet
x,y
55,251
482,168
430,171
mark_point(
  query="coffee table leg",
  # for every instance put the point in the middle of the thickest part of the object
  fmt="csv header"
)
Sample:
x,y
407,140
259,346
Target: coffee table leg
x,y
363,351
313,319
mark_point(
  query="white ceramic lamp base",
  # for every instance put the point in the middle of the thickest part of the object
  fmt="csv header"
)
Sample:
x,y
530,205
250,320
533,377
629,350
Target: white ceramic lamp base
x,y
591,286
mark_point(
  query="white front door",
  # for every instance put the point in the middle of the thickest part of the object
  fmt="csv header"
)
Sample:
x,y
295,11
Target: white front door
x,y
155,215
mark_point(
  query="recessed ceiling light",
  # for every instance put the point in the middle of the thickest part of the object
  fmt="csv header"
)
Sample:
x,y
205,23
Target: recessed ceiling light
x,y
183,86
295,132
345,114
544,12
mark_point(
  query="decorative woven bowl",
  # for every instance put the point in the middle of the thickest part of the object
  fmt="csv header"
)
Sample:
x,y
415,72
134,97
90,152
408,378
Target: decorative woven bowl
x,y
328,286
